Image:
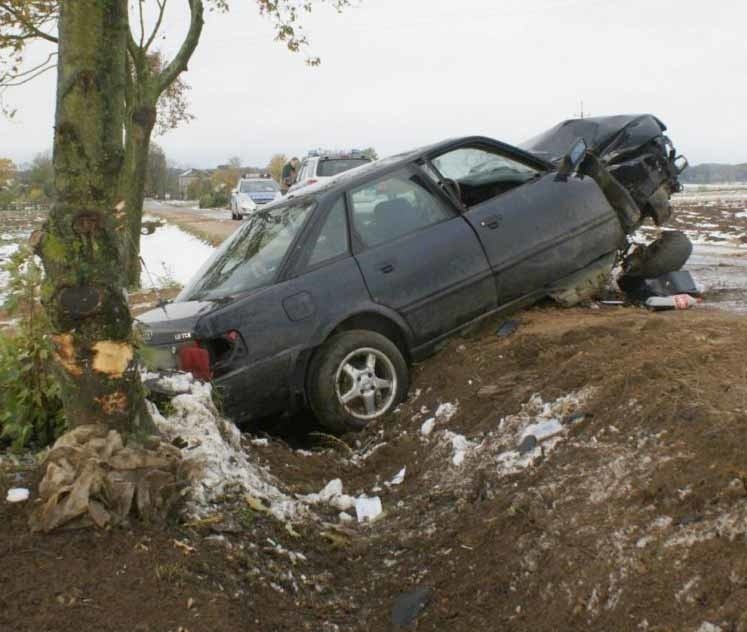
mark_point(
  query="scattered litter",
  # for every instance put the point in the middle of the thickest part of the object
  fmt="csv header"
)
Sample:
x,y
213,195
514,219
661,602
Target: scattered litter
x,y
398,479
460,445
262,443
409,605
543,429
331,495
20,494
528,444
446,411
678,301
507,328
368,509
427,427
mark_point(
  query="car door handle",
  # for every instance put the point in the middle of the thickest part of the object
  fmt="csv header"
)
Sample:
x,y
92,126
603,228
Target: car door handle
x,y
491,221
386,268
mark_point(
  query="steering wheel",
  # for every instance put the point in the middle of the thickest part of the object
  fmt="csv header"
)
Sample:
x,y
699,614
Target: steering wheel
x,y
456,190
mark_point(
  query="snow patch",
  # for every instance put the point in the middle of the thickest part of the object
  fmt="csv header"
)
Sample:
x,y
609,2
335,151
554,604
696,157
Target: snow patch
x,y
216,463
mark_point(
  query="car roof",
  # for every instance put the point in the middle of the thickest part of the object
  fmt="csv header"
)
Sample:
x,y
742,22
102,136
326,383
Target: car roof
x,y
371,170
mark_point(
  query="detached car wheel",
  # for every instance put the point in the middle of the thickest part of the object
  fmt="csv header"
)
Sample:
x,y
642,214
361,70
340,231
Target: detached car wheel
x,y
664,255
356,377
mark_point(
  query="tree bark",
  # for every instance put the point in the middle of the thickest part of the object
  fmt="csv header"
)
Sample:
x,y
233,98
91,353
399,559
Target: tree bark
x,y
82,245
141,119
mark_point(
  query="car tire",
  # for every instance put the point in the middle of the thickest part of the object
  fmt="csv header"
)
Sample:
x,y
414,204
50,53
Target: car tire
x,y
343,367
667,254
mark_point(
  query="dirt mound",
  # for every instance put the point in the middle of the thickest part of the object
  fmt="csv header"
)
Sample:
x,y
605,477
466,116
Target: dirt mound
x,y
586,472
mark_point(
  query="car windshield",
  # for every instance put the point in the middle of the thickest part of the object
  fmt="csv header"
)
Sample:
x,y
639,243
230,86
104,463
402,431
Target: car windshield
x,y
259,186
333,166
251,257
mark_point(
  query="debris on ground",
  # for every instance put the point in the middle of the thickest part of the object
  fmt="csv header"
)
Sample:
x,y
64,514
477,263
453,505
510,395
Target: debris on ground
x,y
507,328
17,495
408,606
91,477
678,301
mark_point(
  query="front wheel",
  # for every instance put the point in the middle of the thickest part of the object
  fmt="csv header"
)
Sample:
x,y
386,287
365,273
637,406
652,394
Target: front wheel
x,y
356,377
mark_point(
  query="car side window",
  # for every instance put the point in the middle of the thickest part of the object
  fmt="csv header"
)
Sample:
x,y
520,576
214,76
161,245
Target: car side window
x,y
468,162
332,240
394,206
481,173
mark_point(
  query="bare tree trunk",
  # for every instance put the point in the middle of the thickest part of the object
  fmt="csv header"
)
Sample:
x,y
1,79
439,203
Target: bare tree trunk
x,y
82,245
140,123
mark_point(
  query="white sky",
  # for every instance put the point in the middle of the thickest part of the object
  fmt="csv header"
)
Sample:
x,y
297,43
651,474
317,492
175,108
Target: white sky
x,y
401,73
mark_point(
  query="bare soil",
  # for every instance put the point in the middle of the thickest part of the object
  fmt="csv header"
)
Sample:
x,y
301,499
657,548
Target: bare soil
x,y
636,520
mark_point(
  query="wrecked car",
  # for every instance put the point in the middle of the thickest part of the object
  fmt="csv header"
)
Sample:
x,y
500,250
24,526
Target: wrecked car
x,y
325,298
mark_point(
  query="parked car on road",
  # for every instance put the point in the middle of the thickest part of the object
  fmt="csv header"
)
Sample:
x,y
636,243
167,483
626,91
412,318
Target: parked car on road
x,y
326,297
250,193
322,167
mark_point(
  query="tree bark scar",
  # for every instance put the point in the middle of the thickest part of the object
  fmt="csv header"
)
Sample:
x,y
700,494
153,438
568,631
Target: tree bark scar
x,y
113,403
65,354
112,357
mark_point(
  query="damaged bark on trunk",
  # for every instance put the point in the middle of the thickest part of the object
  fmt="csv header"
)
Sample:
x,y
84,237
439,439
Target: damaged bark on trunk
x,y
83,243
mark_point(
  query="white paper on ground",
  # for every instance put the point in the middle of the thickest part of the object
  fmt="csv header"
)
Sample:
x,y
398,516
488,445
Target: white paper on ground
x,y
368,509
17,495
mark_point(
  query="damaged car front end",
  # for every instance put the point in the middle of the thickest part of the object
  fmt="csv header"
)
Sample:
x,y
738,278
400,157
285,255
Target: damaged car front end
x,y
636,165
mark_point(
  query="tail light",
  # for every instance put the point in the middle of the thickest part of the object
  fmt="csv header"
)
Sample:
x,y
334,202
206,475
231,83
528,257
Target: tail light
x,y
195,360
211,358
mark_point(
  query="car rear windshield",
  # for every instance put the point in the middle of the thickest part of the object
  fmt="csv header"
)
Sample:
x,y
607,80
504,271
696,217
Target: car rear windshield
x,y
252,256
259,186
332,166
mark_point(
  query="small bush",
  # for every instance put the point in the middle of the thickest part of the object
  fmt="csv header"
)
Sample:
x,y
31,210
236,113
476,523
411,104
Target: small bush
x,y
30,403
215,199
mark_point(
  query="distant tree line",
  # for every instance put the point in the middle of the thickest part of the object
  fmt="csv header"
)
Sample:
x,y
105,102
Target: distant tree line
x,y
712,173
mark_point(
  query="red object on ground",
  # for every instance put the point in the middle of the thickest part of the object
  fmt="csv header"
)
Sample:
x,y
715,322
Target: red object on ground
x,y
196,361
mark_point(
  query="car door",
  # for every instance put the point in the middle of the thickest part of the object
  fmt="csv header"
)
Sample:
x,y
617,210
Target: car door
x,y
536,228
418,256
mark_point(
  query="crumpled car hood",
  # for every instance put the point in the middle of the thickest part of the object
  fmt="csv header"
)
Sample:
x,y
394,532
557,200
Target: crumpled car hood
x,y
606,136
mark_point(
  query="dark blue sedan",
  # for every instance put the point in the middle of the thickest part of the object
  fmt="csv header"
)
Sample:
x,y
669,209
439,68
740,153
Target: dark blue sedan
x,y
324,299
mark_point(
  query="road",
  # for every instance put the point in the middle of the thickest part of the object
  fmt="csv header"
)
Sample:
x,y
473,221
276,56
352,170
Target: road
x,y
211,225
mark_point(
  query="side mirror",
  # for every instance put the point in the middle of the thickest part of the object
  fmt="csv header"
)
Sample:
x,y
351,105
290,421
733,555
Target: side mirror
x,y
680,164
573,159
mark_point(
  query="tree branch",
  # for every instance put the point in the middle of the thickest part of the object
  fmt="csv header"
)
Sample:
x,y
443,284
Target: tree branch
x,y
31,29
159,21
179,63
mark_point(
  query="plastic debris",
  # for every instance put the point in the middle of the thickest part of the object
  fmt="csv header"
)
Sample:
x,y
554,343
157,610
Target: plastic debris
x,y
368,509
544,429
678,301
527,444
398,479
409,605
17,495
427,426
507,328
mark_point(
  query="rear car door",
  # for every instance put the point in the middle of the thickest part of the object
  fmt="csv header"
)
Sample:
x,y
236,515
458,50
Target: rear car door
x,y
418,256
536,228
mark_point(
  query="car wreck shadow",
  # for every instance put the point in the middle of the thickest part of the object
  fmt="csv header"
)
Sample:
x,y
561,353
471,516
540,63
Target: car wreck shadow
x,y
300,431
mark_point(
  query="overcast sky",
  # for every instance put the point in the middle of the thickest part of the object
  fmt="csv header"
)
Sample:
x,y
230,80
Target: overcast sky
x,y
402,73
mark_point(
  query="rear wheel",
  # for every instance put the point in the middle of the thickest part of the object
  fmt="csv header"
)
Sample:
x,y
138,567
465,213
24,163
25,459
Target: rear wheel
x,y
356,377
